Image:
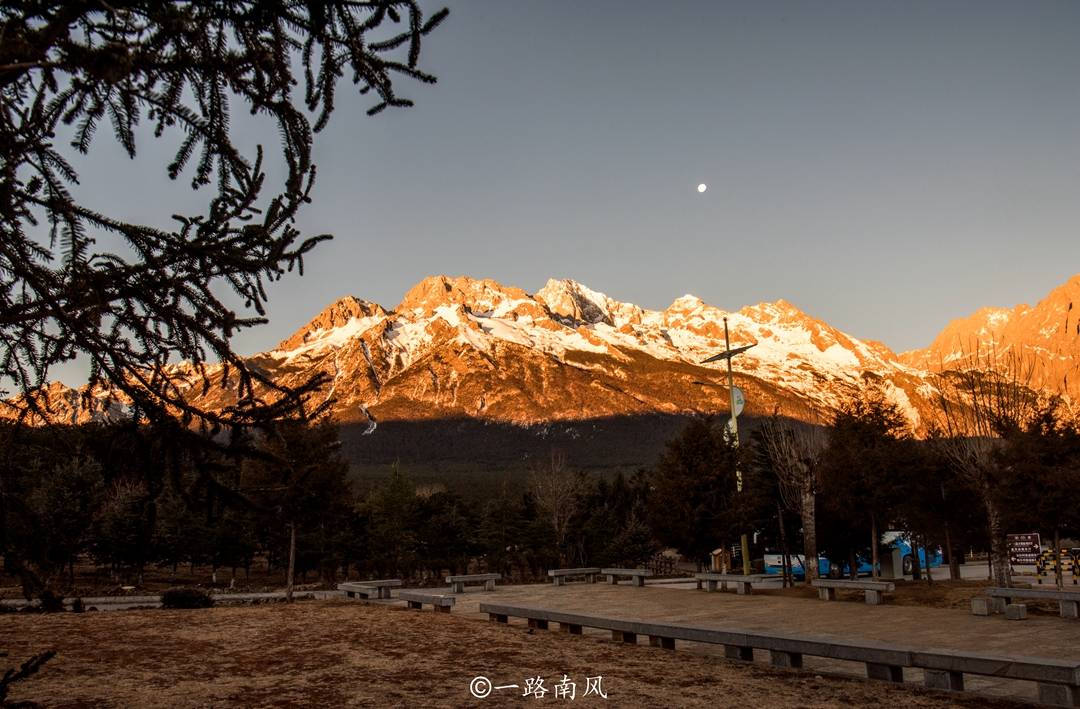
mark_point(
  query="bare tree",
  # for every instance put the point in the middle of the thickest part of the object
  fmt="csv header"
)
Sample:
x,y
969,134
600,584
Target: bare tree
x,y
984,399
557,492
795,448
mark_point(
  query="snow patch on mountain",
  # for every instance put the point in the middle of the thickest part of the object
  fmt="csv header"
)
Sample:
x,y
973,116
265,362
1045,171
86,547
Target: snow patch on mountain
x,y
792,349
324,339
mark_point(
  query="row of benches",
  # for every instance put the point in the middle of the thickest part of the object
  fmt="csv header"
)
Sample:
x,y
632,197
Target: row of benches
x,y
874,590
560,576
382,589
1058,680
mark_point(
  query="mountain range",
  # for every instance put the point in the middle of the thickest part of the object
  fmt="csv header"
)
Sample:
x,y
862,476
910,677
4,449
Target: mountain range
x,y
480,353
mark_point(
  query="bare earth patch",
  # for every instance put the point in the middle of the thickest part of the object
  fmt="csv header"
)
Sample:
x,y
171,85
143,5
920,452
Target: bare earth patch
x,y
336,653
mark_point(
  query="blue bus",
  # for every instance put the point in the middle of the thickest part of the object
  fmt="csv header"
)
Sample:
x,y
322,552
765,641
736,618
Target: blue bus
x,y
833,569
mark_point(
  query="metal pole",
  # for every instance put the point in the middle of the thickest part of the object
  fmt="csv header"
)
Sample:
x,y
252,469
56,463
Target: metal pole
x,y
744,543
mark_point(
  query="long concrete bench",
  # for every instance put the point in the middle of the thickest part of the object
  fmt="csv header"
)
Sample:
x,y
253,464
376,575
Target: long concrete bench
x,y
874,590
997,601
457,583
367,589
1058,680
638,575
559,576
416,599
742,582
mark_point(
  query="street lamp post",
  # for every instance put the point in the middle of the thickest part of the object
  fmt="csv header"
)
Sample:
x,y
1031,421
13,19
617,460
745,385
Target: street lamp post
x,y
733,425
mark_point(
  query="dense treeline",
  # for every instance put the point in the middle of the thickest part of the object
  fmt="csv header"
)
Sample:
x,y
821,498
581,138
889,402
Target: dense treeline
x,y
131,497
118,497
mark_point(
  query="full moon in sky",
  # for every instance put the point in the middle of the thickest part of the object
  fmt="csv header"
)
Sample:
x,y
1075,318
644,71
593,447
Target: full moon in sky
x,y
702,187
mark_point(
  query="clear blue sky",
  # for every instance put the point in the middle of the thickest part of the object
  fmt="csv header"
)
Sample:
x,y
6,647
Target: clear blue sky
x,y
886,166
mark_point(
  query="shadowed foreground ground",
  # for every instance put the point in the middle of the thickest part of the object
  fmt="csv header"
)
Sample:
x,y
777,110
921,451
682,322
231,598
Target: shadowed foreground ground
x,y
333,653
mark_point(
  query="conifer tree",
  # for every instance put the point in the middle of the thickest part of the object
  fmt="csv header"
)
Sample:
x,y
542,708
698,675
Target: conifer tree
x,y
694,505
175,70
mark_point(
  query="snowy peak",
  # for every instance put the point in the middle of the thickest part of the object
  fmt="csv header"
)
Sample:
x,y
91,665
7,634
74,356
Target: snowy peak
x,y
777,312
481,296
345,312
578,303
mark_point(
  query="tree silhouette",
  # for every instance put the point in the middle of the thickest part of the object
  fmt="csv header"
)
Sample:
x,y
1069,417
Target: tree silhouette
x,y
867,445
694,506
182,68
301,486
793,450
983,402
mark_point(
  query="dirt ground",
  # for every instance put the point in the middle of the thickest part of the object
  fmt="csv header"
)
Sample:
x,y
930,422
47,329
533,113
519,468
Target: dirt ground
x,y
338,653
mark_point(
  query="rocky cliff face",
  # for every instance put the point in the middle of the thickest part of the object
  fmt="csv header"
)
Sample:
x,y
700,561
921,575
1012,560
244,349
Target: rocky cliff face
x,y
467,348
1042,341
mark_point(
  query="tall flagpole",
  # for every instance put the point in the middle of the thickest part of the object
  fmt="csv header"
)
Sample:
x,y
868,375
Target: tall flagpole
x,y
733,425
744,542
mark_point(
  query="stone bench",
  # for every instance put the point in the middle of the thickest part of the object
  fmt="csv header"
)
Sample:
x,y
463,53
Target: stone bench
x,y
367,589
1058,680
874,590
417,599
457,583
638,575
742,582
559,576
997,601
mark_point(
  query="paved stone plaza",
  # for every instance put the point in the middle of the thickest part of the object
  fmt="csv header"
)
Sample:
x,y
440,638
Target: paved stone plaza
x,y
849,618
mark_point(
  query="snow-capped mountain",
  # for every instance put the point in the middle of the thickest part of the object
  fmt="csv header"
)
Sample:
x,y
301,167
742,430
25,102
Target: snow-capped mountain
x,y
461,348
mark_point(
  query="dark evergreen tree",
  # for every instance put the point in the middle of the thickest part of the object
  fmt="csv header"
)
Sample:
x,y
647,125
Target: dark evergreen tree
x,y
860,485
445,535
1040,487
391,510
938,505
300,486
694,505
124,530
179,69
65,502
500,532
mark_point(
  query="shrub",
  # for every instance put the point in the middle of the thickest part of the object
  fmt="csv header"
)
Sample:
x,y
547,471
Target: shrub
x,y
186,598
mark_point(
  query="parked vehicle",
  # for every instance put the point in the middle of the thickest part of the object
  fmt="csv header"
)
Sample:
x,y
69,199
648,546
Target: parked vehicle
x,y
840,569
895,539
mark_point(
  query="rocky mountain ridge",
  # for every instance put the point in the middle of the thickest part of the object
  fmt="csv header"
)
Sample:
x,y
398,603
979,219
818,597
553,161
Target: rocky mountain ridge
x,y
464,347
1042,342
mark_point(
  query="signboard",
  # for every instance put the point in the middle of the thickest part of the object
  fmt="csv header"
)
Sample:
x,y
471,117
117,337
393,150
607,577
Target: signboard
x,y
1024,549
739,398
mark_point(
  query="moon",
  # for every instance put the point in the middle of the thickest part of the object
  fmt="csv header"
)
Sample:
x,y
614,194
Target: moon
x,y
702,187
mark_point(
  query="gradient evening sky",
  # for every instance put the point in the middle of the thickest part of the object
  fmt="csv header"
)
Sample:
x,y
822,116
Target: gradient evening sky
x,y
885,166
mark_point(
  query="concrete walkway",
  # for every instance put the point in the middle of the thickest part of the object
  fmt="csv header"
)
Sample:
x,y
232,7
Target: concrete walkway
x,y
1038,636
